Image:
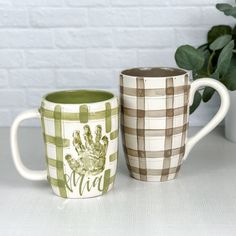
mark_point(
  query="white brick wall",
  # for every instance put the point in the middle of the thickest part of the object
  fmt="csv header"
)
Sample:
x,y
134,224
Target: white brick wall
x,y
70,44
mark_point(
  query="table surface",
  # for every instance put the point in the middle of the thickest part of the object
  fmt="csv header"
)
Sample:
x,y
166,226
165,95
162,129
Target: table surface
x,y
201,201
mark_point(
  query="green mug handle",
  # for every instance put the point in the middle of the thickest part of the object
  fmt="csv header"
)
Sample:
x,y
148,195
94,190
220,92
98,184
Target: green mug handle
x,y
22,169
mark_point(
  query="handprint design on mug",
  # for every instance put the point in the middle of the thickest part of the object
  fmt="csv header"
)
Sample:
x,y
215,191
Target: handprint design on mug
x,y
91,154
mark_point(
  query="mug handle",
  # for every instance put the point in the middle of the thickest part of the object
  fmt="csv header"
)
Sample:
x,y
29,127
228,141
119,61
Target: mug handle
x,y
219,116
24,171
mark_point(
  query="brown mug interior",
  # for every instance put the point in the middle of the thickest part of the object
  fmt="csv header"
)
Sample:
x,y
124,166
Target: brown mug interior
x,y
154,72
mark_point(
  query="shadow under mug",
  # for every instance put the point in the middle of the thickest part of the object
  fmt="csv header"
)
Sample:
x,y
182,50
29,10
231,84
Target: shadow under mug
x,y
154,117
80,130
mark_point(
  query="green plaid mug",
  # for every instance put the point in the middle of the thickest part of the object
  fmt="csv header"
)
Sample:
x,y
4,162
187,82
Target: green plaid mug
x,y
155,114
80,130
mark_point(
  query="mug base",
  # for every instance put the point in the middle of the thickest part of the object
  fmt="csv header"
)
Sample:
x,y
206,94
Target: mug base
x,y
151,178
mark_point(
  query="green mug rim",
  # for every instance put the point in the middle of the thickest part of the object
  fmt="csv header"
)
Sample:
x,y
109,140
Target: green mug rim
x,y
80,96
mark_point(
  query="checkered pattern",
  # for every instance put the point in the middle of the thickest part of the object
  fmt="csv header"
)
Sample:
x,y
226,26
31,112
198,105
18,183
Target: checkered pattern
x,y
58,124
154,119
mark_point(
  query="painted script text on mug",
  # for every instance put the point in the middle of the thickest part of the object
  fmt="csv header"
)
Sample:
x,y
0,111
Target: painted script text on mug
x,y
80,130
154,117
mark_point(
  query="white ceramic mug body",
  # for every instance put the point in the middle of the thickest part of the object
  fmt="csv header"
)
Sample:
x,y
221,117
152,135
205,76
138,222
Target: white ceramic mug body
x,y
81,142
155,115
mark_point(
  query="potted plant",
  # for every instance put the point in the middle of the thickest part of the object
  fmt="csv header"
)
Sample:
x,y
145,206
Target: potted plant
x,y
215,59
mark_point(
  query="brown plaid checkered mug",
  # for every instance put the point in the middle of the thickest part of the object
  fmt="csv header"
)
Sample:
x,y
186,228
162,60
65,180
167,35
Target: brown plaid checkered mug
x,y
154,117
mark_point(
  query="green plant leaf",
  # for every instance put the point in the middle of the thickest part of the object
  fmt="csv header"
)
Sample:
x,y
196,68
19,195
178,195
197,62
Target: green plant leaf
x,y
220,42
224,7
224,59
208,92
233,12
203,48
210,68
217,31
234,31
233,60
196,102
234,36
229,79
228,9
189,58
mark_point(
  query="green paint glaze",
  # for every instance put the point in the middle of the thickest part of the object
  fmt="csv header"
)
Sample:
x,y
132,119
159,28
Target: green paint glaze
x,y
43,131
82,178
70,116
82,185
106,182
78,96
58,141
108,117
59,149
57,182
83,111
91,153
114,134
113,157
112,179
54,163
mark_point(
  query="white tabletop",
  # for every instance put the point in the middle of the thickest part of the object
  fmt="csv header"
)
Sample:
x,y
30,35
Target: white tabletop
x,y
201,201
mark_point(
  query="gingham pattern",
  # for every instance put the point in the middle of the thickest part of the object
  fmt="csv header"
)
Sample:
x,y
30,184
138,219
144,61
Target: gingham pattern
x,y
59,122
154,119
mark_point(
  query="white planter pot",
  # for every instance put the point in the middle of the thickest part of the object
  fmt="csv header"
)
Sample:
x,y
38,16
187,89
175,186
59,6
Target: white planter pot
x,y
230,119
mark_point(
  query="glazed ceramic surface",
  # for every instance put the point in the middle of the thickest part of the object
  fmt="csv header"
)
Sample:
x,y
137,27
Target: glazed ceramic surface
x,y
80,130
155,115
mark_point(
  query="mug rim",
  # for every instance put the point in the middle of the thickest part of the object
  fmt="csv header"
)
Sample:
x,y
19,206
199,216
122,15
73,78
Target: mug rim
x,y
153,72
108,93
